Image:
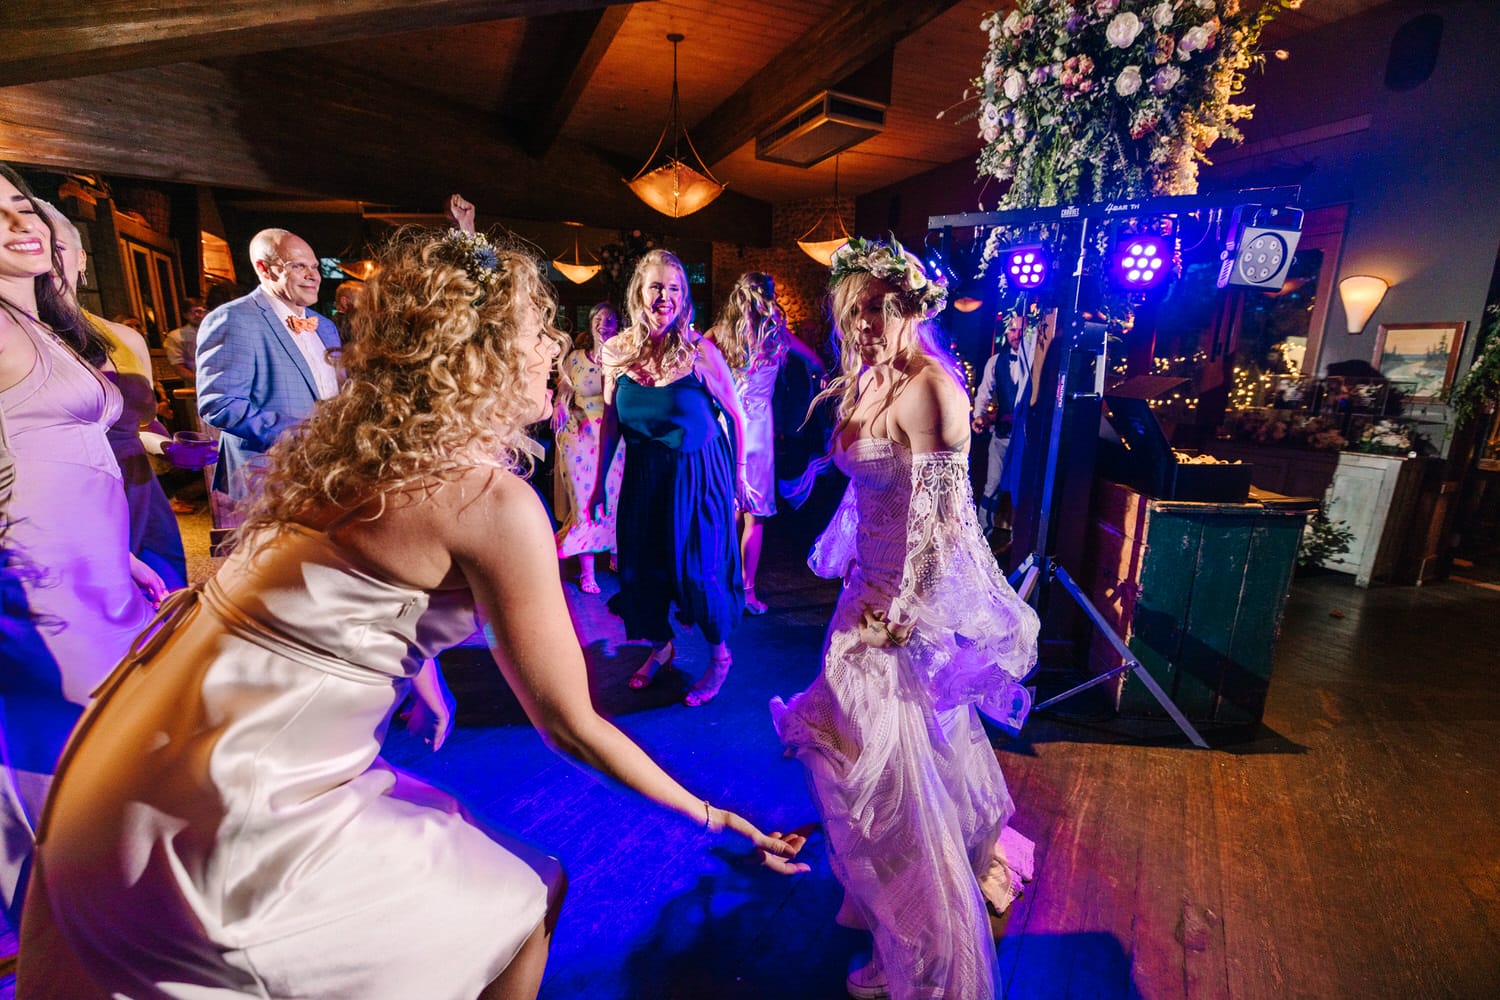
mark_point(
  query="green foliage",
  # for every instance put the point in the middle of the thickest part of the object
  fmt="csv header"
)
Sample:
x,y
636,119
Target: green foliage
x,y
1323,539
1480,385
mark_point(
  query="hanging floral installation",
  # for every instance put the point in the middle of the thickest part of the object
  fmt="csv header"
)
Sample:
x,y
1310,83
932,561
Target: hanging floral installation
x,y
1111,99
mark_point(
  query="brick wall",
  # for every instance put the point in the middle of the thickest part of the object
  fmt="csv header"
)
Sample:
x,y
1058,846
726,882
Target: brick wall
x,y
801,282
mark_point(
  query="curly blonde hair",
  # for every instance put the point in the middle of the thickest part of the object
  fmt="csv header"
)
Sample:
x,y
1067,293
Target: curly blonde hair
x,y
751,325
432,376
634,345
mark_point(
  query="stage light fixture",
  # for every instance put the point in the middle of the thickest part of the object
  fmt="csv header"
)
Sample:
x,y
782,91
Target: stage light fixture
x,y
1141,262
1262,243
1027,267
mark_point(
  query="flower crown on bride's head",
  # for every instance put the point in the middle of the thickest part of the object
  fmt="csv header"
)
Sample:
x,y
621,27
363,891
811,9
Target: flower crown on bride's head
x,y
890,261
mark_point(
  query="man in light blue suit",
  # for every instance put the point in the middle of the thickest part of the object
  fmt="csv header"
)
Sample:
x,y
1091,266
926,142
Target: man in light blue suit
x,y
262,359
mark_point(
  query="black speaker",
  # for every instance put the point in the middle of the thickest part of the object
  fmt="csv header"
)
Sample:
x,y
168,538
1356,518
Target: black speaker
x,y
1414,52
1262,240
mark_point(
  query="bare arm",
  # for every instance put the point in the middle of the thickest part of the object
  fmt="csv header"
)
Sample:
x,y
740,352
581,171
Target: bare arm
x,y
503,545
714,370
932,413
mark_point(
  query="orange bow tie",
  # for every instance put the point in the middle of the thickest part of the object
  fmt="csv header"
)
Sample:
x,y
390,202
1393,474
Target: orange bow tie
x,y
302,324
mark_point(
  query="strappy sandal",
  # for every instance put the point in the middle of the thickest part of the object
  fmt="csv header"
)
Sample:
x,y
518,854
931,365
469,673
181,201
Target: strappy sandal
x,y
754,606
647,672
707,687
588,584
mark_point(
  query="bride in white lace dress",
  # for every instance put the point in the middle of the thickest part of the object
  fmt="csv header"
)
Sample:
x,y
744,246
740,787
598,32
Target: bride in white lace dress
x,y
926,630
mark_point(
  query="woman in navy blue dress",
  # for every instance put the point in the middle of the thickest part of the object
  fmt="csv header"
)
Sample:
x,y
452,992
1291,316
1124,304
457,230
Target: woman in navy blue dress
x,y
666,388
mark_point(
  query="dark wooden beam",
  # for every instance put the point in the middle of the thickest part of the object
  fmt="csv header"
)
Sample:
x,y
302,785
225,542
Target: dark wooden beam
x,y
227,124
574,58
854,33
57,39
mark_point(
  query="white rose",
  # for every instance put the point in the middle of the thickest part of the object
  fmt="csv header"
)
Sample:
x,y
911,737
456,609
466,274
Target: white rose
x,y
1194,39
1014,86
1165,79
1012,22
1122,30
1162,15
1129,81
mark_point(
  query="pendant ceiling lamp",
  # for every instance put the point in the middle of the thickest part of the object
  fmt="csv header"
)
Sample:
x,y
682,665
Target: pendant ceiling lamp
x,y
669,184
828,233
575,270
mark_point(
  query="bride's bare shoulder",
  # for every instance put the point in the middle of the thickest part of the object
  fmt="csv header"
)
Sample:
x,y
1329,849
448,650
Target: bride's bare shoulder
x,y
932,411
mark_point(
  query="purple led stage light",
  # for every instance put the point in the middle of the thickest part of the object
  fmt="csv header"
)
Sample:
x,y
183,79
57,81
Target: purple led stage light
x,y
1027,267
1140,262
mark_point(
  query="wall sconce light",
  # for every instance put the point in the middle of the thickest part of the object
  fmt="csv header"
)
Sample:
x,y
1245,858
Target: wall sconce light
x,y
1361,295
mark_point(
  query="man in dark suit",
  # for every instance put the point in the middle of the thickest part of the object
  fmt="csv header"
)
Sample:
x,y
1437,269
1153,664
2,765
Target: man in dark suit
x,y
994,411
262,359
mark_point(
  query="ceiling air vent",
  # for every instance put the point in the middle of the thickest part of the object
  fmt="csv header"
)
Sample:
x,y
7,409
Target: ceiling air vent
x,y
829,123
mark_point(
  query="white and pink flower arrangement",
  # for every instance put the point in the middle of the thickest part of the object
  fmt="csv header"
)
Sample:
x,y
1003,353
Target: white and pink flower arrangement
x,y
1111,99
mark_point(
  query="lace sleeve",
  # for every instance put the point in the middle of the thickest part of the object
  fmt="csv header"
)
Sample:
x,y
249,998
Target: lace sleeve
x,y
834,550
973,640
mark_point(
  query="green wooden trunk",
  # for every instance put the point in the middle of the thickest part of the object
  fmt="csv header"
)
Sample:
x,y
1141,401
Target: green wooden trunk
x,y
1197,591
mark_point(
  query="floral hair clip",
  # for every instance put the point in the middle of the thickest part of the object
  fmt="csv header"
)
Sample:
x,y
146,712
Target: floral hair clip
x,y
476,255
892,262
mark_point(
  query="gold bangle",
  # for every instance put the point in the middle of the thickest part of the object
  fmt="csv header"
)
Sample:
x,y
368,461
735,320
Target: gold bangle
x,y
708,821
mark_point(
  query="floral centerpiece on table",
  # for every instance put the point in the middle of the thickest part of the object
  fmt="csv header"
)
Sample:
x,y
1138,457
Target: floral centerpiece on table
x,y
1390,437
1293,428
1111,99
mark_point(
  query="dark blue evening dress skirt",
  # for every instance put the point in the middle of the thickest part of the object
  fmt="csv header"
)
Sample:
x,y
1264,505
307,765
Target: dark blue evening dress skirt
x,y
676,529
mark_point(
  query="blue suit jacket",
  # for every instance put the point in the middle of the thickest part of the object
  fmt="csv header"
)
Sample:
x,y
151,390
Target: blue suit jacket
x,y
253,383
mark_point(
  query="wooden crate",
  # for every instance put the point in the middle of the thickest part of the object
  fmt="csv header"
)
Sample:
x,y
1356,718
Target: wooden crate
x,y
1197,591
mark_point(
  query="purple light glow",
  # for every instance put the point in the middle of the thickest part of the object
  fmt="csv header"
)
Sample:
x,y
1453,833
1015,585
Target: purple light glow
x,y
1028,266
1139,263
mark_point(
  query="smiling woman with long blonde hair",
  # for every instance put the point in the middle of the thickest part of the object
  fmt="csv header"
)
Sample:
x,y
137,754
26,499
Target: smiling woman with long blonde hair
x,y
666,387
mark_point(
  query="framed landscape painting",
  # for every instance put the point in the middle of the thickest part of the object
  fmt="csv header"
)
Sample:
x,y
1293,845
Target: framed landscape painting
x,y
1422,353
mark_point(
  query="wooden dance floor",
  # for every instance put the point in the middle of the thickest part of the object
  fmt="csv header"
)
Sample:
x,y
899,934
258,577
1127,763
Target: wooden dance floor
x,y
1349,848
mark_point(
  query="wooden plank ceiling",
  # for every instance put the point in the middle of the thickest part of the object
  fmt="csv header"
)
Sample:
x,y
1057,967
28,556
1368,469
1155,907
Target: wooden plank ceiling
x,y
538,107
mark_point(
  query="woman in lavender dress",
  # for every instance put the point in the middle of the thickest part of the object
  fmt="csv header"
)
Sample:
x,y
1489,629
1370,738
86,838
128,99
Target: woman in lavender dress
x,y
753,337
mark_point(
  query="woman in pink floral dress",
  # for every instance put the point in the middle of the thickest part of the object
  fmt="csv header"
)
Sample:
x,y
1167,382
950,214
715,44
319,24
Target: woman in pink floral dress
x,y
577,425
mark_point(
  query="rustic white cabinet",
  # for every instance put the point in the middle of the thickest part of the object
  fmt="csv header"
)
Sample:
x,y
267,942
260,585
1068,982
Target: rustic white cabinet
x,y
1375,496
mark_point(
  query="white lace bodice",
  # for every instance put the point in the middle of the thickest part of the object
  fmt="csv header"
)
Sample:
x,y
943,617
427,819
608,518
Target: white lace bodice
x,y
880,470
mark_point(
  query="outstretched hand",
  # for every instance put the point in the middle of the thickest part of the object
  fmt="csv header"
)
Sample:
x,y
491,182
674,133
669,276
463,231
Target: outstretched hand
x,y
776,850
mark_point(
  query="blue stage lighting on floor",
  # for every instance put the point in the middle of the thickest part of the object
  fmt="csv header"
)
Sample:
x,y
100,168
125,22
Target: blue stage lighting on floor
x,y
1027,267
1141,262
